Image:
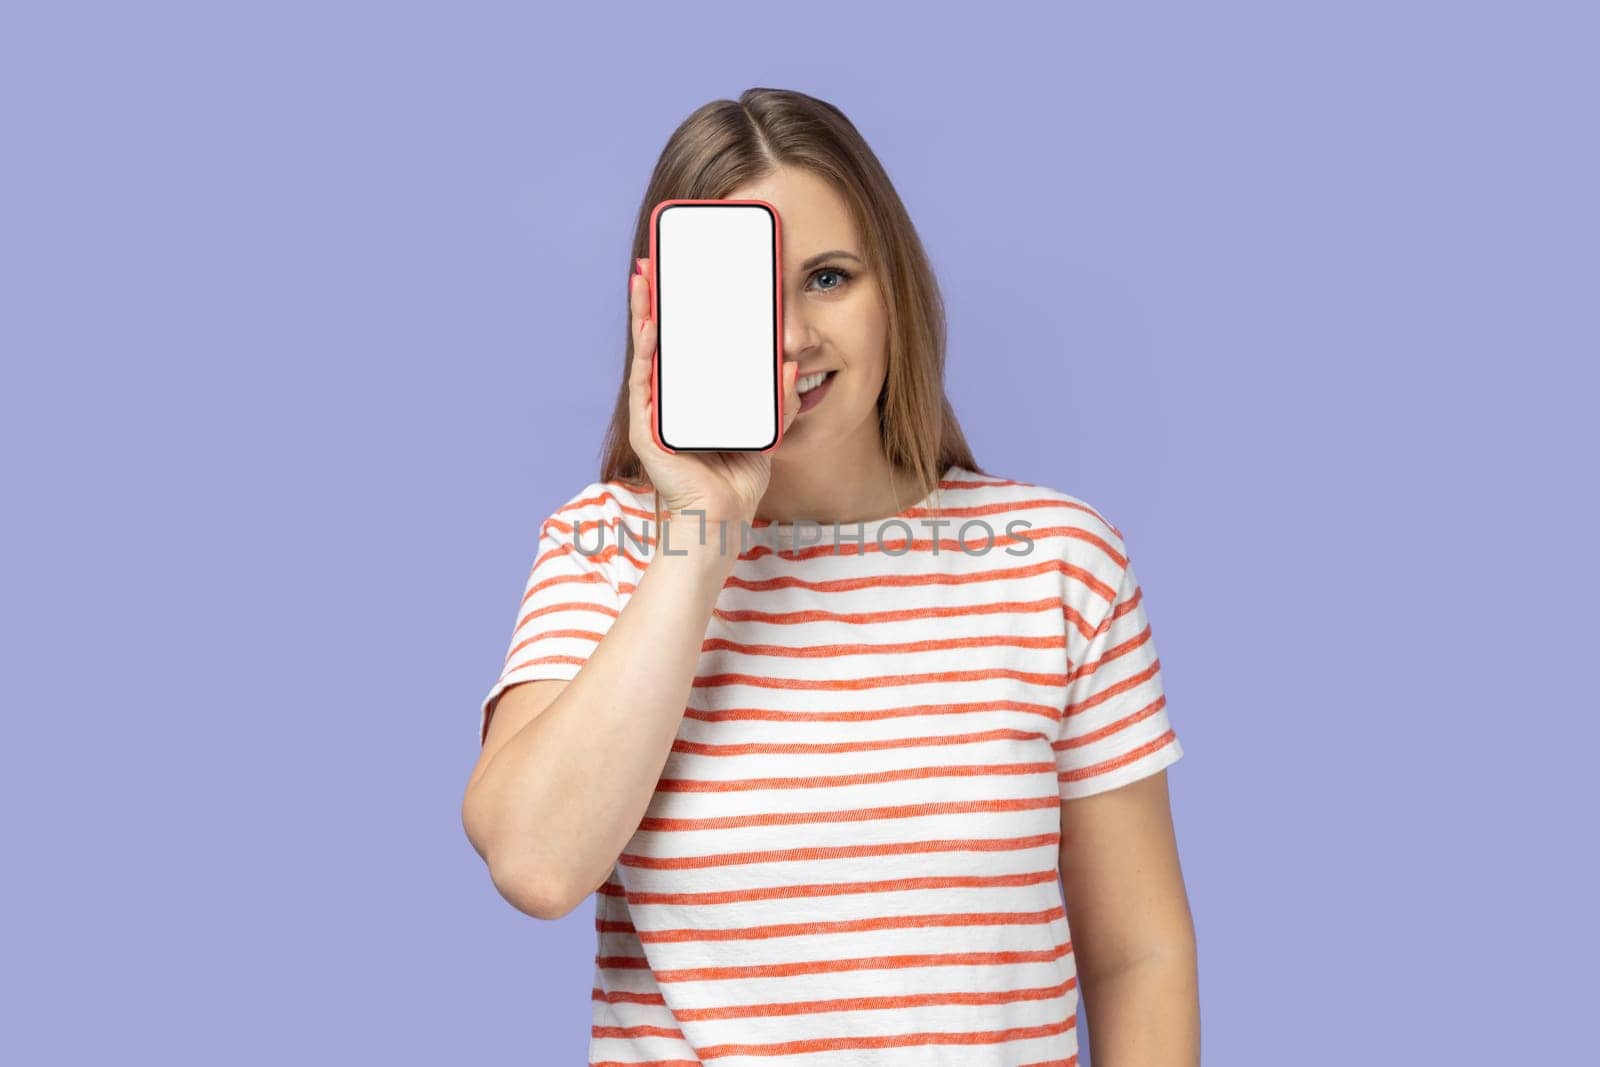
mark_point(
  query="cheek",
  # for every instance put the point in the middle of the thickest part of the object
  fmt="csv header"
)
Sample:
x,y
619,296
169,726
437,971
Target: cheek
x,y
865,336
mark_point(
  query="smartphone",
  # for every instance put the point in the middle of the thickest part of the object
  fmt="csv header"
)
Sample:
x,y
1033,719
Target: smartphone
x,y
716,298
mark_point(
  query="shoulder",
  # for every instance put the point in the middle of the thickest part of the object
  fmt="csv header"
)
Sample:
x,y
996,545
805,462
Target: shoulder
x,y
596,522
596,513
607,501
1049,514
1049,535
618,515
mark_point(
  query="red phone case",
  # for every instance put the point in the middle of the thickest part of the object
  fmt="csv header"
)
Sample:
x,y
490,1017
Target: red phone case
x,y
777,296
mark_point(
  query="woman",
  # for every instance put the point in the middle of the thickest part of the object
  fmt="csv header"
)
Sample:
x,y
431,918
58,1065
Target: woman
x,y
838,795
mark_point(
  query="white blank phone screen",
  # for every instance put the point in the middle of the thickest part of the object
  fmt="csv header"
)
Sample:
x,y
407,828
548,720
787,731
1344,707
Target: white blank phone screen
x,y
716,329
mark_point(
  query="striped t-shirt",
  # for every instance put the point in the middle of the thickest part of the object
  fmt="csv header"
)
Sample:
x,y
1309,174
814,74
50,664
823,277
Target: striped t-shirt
x,y
851,855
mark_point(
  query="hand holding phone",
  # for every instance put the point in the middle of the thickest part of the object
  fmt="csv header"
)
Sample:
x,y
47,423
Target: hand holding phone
x,y
726,484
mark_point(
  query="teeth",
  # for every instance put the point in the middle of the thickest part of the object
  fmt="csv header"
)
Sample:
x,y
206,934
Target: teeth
x,y
810,381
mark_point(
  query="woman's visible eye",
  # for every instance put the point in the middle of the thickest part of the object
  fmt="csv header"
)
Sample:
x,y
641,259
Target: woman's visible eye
x,y
844,278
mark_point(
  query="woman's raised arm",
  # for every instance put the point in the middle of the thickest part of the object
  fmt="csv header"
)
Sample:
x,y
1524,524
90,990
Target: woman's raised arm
x,y
568,768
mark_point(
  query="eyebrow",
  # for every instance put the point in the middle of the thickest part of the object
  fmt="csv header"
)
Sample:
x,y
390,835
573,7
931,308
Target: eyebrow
x,y
837,253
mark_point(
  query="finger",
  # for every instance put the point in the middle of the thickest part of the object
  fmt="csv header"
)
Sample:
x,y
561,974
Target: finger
x,y
634,322
639,303
645,347
639,291
636,300
641,405
791,393
642,365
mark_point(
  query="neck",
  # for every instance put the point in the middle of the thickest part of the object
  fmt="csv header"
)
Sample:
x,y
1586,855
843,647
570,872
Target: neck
x,y
814,489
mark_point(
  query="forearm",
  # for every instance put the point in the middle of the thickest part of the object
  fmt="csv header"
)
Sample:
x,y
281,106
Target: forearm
x,y
1146,1014
564,794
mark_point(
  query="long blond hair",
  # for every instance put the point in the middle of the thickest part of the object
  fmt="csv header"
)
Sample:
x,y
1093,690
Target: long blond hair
x,y
727,144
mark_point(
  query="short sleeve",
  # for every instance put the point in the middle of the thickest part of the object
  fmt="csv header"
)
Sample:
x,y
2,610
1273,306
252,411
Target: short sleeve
x,y
1114,728
569,602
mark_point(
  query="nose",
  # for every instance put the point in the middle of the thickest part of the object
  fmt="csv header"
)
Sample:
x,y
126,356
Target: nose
x,y
797,337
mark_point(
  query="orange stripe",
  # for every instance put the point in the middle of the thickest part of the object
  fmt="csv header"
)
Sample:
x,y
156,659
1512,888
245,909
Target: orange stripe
x,y
609,492
1050,711
847,547
1114,653
1112,727
567,605
946,611
1133,681
904,545
1054,680
887,581
1117,612
722,644
600,555
831,889
1129,604
799,651
561,579
980,482
537,660
582,524
845,926
582,635
620,996
878,681
831,781
802,747
635,1031
952,516
1143,750
1086,577
928,1037
600,498
639,490
967,510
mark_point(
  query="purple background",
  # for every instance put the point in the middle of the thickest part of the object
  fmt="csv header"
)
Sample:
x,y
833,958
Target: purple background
x,y
312,313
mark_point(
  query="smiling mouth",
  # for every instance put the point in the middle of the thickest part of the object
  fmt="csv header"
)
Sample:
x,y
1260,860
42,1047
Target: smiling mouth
x,y
813,396
808,382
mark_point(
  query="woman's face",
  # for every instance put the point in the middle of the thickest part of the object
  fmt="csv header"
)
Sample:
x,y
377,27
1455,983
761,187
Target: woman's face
x,y
834,319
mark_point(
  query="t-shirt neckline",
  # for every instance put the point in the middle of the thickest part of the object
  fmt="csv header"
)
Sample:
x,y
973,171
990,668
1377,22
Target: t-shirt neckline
x,y
870,526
